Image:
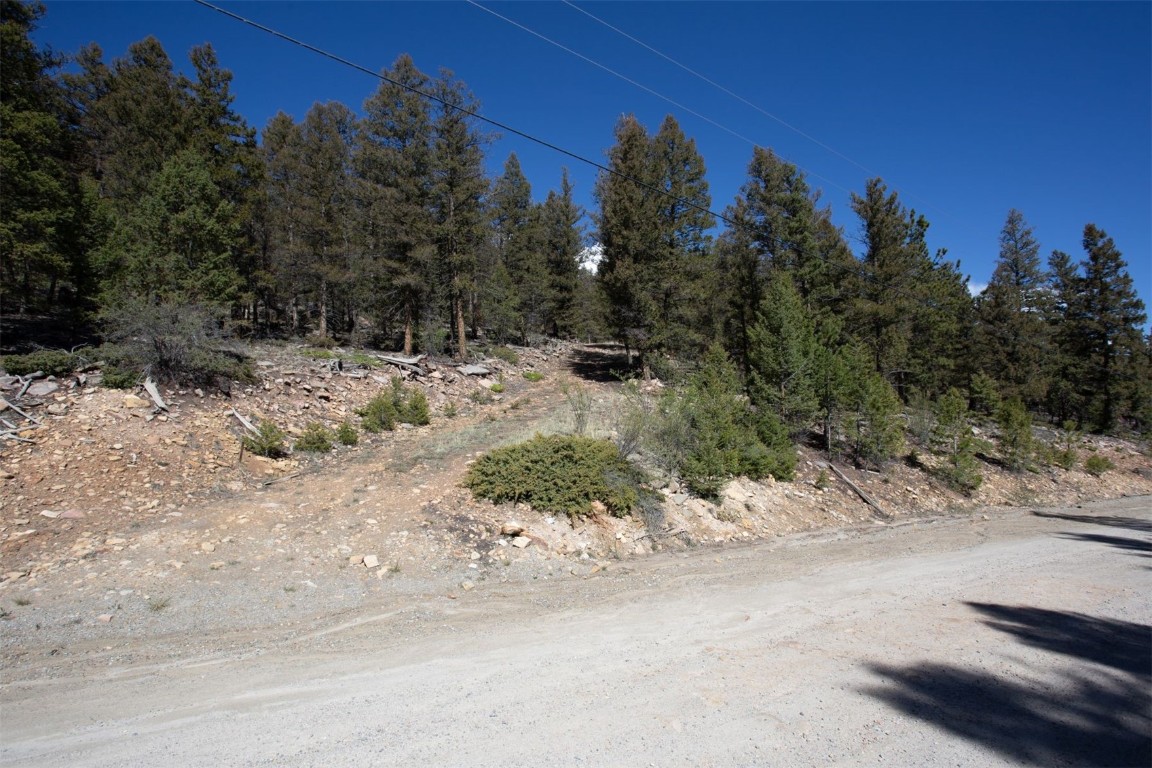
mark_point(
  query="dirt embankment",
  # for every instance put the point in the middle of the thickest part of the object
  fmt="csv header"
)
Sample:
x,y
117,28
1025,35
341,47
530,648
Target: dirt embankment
x,y
118,519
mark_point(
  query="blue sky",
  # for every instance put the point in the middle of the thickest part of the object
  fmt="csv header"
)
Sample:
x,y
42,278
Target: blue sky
x,y
967,109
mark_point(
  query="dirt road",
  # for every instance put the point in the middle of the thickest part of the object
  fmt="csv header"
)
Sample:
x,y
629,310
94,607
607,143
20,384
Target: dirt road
x,y
1023,638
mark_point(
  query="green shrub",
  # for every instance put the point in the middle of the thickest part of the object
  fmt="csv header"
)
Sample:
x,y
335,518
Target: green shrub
x,y
1063,453
317,354
504,353
985,394
269,442
1097,465
316,438
323,342
172,341
119,378
346,433
497,388
1016,442
53,362
399,404
449,410
533,376
558,473
961,471
480,396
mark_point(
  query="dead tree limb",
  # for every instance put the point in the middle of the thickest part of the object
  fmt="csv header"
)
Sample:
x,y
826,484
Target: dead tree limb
x,y
154,393
247,424
860,492
32,419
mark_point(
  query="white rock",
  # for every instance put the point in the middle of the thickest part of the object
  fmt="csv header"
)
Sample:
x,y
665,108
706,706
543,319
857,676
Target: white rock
x,y
371,561
521,541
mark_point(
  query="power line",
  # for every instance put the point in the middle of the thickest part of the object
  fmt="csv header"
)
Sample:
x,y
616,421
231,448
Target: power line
x,y
504,127
432,97
720,87
641,86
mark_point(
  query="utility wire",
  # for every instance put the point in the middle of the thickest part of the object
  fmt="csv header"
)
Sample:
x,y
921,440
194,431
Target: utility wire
x,y
463,110
720,87
641,86
504,127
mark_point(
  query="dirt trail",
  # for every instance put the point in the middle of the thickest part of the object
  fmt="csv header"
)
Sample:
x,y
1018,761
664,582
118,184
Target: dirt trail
x,y
1023,638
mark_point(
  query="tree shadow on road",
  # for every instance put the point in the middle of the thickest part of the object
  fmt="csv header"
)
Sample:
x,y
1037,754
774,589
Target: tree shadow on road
x,y
604,363
1113,521
1138,546
1094,716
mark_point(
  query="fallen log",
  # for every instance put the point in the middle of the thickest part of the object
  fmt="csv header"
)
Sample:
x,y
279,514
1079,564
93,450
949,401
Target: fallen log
x,y
408,363
860,492
473,370
32,419
247,424
154,393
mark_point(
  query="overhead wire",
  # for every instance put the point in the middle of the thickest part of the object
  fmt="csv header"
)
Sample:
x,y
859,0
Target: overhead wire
x,y
721,88
505,127
641,86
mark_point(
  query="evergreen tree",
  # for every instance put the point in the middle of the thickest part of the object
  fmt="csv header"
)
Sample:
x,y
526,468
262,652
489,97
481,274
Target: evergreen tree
x,y
458,186
1110,320
912,309
1012,342
39,232
655,246
394,160
785,357
562,240
518,244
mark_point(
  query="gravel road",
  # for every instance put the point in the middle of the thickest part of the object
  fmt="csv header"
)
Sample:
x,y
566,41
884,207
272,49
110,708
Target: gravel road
x,y
1019,637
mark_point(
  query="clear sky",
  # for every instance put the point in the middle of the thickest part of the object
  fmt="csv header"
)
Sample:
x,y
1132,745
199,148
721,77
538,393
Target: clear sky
x,y
967,109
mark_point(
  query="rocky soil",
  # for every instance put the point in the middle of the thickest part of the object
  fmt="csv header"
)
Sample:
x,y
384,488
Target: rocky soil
x,y
120,520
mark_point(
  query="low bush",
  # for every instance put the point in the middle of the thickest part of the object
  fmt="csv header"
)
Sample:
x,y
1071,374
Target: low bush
x,y
269,442
316,438
504,353
558,473
1097,465
399,405
53,362
346,433
533,376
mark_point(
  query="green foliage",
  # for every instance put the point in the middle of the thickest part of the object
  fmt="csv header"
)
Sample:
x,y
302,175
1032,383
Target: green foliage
x,y
449,410
984,394
268,442
962,469
506,354
316,438
1097,465
400,404
346,433
53,362
558,473
875,429
951,420
317,354
497,388
177,342
1063,453
823,481
784,357
721,436
1016,442
533,376
113,377
579,401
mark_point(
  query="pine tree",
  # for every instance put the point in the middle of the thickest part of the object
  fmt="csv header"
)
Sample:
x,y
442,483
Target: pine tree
x,y
458,187
518,244
39,246
1110,320
1012,340
785,357
394,162
560,220
655,247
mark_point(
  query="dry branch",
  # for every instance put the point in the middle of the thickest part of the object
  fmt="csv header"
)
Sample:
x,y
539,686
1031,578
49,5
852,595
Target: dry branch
x,y
154,393
245,422
9,405
860,492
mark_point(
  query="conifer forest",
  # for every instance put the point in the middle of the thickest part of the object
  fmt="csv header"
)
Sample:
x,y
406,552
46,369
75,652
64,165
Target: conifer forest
x,y
136,197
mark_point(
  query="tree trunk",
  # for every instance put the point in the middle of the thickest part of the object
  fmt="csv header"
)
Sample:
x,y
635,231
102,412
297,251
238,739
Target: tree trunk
x,y
323,328
408,329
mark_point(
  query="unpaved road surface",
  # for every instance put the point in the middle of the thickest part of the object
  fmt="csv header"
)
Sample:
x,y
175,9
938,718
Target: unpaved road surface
x,y
1020,637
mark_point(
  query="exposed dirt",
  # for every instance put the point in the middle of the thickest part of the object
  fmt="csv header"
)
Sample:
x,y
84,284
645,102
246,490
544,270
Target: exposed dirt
x,y
123,520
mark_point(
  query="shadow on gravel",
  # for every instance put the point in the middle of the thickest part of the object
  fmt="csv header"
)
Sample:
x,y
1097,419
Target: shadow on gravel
x,y
1092,716
1139,546
1131,523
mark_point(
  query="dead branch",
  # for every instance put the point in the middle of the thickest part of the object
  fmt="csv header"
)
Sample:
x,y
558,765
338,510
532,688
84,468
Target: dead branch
x,y
245,422
860,492
26,416
154,393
